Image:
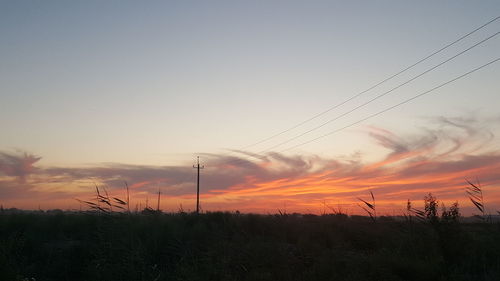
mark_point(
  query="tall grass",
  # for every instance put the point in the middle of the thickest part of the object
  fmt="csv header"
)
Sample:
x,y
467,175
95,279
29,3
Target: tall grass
x,y
104,203
370,207
475,193
60,246
224,246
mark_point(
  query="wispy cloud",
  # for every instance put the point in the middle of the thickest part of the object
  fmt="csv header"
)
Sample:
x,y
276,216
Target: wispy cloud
x,y
434,160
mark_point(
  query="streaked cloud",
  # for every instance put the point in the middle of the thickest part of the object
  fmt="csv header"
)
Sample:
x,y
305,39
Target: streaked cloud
x,y
435,160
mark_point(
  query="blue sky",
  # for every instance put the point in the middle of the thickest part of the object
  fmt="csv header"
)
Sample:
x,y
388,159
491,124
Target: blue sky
x,y
99,81
101,92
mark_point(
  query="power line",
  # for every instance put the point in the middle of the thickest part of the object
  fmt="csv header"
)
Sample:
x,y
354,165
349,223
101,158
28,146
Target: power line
x,y
385,80
383,94
374,86
394,106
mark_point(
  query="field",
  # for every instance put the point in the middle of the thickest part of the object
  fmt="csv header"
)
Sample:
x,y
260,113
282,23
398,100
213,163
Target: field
x,y
56,245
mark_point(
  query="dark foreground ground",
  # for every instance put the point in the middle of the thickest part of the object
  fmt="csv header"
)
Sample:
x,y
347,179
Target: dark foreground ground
x,y
222,246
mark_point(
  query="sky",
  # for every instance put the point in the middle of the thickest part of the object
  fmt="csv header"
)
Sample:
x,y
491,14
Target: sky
x,y
103,92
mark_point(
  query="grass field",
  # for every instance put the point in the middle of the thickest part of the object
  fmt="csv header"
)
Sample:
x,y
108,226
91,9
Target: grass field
x,y
52,246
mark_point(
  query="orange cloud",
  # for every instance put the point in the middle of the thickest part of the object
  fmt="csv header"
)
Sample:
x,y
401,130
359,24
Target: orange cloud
x,y
436,161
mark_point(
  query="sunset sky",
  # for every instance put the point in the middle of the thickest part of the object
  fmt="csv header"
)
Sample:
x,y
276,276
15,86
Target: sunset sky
x,y
103,92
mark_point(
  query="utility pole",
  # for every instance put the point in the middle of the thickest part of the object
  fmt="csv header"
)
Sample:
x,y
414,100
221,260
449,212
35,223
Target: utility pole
x,y
198,167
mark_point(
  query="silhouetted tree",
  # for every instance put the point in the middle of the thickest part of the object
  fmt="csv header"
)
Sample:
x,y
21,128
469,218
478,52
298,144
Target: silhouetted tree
x,y
430,209
452,214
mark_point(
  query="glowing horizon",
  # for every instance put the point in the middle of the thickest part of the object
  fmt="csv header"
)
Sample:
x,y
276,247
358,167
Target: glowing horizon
x,y
97,92
414,167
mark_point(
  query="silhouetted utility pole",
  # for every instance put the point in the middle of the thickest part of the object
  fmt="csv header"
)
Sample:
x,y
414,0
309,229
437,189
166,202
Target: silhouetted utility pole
x,y
198,167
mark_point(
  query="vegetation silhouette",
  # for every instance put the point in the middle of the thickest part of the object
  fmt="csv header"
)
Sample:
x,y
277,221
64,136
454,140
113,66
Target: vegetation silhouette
x,y
109,243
